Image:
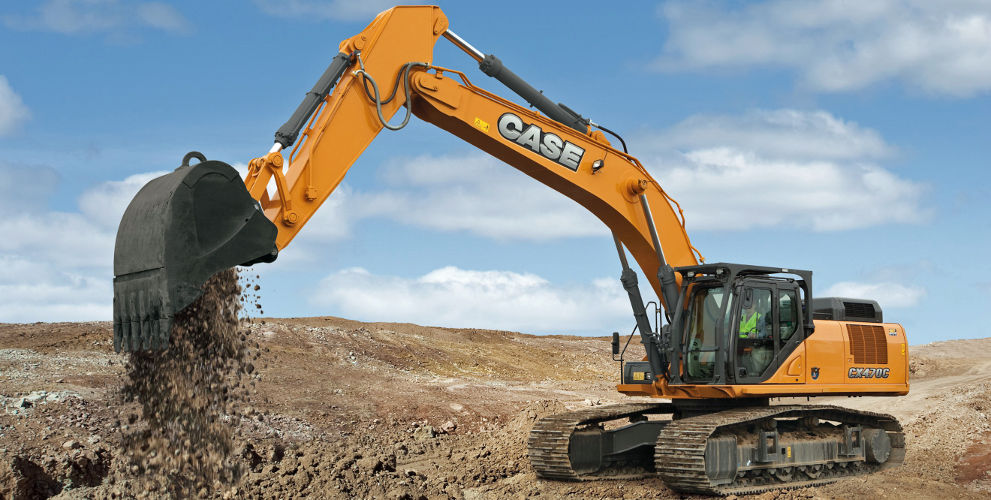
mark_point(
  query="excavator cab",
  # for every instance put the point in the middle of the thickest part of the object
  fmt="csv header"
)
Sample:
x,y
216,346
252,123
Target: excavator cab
x,y
179,230
737,323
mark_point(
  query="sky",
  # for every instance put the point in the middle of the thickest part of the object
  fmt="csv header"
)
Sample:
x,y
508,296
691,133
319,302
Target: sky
x,y
849,138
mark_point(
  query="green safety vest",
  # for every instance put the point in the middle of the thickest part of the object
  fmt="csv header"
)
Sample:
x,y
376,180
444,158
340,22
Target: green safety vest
x,y
749,325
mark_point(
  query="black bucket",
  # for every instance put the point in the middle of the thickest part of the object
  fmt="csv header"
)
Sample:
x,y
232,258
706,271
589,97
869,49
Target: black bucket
x,y
179,230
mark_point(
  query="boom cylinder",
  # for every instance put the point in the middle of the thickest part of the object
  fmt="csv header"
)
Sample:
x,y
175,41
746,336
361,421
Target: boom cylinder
x,y
493,67
629,280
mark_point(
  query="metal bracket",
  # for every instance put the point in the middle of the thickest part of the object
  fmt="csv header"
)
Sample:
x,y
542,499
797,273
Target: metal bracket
x,y
767,446
260,171
853,441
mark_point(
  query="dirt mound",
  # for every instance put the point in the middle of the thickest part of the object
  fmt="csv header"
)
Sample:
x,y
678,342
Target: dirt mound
x,y
345,409
413,461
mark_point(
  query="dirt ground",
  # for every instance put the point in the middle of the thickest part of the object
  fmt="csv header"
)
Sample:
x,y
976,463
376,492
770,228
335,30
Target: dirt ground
x,y
344,409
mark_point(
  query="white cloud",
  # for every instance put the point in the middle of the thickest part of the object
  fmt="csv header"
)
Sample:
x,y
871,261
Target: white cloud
x,y
39,290
726,189
66,240
58,265
161,16
780,168
55,267
12,108
838,45
105,203
72,17
765,168
344,10
887,294
455,297
337,216
781,133
471,193
480,194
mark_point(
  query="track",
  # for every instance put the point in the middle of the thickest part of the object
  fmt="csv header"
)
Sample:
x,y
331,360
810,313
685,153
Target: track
x,y
679,456
549,441
680,451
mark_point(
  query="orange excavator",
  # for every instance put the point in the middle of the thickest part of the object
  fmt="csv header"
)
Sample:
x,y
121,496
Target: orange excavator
x,y
725,339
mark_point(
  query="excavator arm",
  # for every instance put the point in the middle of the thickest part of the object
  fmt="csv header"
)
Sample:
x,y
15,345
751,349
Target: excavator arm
x,y
346,121
343,113
581,165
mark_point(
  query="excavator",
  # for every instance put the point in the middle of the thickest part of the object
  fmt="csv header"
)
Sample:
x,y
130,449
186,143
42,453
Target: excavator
x,y
726,338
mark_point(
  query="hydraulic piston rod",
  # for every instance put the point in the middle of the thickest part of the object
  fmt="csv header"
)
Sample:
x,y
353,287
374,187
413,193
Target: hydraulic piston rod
x,y
629,280
463,44
665,274
492,66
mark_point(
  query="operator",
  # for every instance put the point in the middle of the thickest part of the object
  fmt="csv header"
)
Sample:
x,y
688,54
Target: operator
x,y
750,320
754,325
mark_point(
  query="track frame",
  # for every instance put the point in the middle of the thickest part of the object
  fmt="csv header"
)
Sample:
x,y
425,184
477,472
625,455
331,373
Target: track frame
x,y
727,451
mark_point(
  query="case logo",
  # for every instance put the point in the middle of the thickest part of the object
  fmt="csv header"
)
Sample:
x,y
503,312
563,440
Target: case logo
x,y
546,144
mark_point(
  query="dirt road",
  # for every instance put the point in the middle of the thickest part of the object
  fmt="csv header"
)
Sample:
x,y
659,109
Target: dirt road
x,y
344,409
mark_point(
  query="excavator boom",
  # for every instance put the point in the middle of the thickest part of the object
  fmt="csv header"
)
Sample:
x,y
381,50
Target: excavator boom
x,y
198,220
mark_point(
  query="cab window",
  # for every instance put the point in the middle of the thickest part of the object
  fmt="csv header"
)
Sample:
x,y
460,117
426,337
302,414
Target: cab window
x,y
755,347
755,317
703,317
788,311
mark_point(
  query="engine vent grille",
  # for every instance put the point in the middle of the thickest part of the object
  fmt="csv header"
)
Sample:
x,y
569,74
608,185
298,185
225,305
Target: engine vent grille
x,y
859,310
868,344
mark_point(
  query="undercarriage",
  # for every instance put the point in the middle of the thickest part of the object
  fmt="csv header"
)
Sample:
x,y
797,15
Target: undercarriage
x,y
739,450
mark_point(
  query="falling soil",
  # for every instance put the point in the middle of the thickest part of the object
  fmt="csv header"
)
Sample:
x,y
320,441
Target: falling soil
x,y
180,439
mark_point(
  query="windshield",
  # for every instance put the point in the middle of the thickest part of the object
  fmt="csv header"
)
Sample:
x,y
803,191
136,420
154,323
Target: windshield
x,y
704,314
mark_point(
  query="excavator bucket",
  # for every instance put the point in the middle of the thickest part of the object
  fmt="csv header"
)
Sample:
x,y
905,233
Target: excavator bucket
x,y
179,230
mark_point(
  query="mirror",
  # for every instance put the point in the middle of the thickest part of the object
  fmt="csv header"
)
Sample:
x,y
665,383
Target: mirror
x,y
615,343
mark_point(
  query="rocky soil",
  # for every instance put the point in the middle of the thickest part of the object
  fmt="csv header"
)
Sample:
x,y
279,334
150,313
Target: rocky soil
x,y
344,409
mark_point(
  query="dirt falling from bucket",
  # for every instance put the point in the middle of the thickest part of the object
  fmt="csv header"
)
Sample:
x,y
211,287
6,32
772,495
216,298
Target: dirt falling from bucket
x,y
191,397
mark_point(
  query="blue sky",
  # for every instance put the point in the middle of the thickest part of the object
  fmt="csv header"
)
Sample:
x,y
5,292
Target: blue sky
x,y
849,138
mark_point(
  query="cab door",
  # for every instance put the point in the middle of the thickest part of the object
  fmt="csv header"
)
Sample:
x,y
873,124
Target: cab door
x,y
706,321
766,324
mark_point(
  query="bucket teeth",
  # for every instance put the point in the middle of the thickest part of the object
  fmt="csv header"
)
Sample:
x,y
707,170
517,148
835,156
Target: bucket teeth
x,y
141,322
